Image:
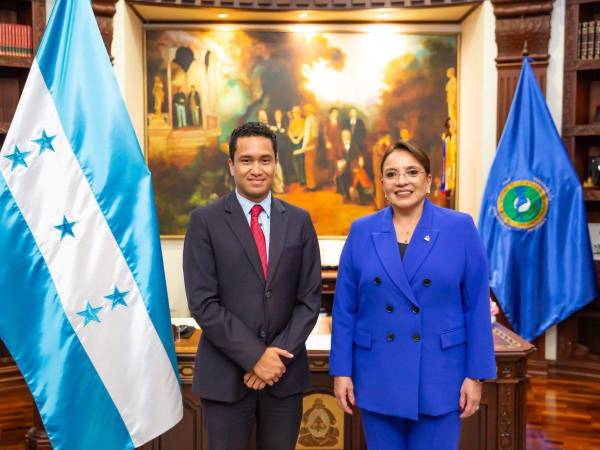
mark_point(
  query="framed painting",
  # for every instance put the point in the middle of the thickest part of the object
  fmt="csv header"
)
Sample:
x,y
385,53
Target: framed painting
x,y
336,97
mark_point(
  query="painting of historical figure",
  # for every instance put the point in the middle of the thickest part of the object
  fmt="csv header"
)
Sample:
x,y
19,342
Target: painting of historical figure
x,y
335,99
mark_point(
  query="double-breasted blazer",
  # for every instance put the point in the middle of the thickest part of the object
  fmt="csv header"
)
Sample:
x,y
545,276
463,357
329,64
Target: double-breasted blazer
x,y
241,313
409,331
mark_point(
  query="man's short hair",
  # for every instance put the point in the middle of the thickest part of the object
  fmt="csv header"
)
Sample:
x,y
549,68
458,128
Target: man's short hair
x,y
251,129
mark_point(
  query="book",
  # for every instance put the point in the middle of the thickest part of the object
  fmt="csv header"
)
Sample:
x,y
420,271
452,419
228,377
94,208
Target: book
x,y
597,40
16,40
591,39
579,28
3,43
584,39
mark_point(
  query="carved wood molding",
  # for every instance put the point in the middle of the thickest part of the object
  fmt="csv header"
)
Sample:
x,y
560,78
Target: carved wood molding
x,y
520,26
518,23
105,11
38,21
506,435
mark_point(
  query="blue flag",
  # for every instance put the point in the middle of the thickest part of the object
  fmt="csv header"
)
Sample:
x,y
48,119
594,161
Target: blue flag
x,y
83,302
533,221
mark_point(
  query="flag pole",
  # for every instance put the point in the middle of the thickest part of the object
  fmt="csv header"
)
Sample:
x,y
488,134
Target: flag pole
x,y
36,438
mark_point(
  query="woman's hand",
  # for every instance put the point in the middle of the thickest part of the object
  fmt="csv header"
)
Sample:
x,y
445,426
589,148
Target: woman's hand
x,y
470,396
344,393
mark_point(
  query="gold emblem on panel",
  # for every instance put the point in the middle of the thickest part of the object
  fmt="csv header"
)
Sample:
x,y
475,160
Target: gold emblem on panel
x,y
322,424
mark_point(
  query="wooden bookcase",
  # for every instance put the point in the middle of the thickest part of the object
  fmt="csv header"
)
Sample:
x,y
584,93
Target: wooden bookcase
x,y
578,337
14,70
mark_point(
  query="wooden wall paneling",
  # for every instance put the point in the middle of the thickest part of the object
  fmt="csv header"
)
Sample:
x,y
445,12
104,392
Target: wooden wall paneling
x,y
520,25
104,11
38,22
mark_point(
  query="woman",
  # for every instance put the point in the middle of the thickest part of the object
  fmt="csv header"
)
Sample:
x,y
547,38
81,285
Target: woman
x,y
411,338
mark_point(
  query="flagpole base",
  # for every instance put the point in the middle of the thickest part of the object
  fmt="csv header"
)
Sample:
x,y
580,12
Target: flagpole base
x,y
36,438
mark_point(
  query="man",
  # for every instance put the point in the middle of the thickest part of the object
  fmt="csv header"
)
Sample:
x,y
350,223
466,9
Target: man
x,y
195,108
344,165
310,144
296,135
179,101
357,129
332,133
284,149
253,281
361,190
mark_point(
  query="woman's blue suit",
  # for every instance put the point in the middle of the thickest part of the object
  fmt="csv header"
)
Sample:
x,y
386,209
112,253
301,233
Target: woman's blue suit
x,y
409,331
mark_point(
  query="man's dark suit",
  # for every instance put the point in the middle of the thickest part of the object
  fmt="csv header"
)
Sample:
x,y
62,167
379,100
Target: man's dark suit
x,y
358,131
241,313
343,179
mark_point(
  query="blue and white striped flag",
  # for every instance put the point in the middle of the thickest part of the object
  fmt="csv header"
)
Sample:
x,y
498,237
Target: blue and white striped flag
x,y
83,302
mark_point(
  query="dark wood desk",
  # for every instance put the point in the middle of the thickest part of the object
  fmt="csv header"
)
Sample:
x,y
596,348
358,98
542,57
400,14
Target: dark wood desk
x,y
498,425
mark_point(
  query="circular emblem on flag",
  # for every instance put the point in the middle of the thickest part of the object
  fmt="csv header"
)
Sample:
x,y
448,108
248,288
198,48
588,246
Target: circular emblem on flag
x,y
522,204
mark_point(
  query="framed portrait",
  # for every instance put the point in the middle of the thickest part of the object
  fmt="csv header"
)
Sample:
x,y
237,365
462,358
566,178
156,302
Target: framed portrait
x,y
337,97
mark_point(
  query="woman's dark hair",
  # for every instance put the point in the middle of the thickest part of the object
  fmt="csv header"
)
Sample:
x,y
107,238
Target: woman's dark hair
x,y
251,129
417,153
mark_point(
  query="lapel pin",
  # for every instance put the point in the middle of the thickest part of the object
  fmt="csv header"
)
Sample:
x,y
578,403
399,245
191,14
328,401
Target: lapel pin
x,y
427,238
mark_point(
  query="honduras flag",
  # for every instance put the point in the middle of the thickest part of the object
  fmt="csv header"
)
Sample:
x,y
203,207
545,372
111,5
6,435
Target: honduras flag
x,y
533,221
83,302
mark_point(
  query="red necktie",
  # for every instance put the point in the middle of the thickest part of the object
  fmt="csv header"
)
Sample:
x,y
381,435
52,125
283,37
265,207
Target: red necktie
x,y
259,236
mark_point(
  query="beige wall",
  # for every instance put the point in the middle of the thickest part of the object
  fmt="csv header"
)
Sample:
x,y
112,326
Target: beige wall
x,y
128,53
477,114
554,94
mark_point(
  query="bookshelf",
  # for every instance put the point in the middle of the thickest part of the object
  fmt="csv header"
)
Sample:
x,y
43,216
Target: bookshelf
x,y
578,341
21,26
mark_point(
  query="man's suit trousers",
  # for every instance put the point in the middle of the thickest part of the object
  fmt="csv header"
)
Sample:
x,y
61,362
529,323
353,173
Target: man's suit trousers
x,y
229,425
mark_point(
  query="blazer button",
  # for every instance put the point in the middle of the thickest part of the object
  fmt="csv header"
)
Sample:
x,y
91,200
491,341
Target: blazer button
x,y
415,309
426,282
268,294
390,337
377,281
416,338
263,334
389,308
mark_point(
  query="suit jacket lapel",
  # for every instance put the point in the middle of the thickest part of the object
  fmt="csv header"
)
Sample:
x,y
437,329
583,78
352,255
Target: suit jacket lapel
x,y
386,246
421,243
239,225
277,238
